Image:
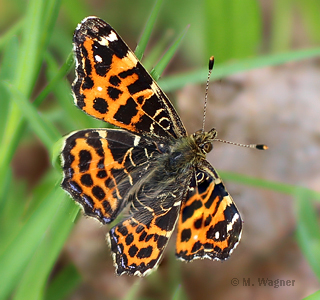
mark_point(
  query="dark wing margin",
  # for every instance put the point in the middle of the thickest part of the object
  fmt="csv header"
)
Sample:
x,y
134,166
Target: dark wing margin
x,y
112,85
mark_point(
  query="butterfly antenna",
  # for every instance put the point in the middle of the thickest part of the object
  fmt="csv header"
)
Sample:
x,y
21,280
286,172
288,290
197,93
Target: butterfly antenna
x,y
211,63
254,146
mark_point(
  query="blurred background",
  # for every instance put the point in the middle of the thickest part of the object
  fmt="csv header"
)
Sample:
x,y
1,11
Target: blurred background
x,y
265,88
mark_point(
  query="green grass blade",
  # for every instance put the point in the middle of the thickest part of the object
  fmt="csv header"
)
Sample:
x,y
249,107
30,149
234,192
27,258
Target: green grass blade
x,y
279,187
308,230
158,69
310,11
29,61
179,293
133,291
12,210
19,252
147,30
158,49
12,32
246,28
314,296
281,34
7,74
61,89
232,28
171,83
63,283
29,56
61,73
56,151
40,265
47,133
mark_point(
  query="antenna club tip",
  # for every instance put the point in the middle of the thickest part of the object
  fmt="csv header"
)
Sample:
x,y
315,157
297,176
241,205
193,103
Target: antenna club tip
x,y
211,62
262,147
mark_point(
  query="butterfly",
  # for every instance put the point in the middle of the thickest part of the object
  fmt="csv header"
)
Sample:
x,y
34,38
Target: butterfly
x,y
149,163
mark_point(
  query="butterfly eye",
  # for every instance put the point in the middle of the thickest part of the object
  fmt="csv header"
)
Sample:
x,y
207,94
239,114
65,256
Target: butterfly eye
x,y
206,148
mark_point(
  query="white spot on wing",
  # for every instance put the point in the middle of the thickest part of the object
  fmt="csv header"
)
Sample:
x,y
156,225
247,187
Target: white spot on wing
x,y
234,219
98,58
217,235
112,36
102,133
136,140
132,57
99,88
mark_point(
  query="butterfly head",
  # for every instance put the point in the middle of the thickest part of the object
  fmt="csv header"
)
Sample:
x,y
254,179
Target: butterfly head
x,y
204,140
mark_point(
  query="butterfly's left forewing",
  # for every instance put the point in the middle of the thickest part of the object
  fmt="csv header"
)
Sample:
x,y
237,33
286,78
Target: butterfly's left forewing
x,y
112,85
209,224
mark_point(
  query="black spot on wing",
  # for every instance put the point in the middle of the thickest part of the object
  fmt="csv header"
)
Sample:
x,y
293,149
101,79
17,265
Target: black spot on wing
x,y
84,160
189,210
185,235
142,236
133,250
102,174
98,192
145,252
197,223
100,105
126,112
113,93
114,80
129,239
87,83
86,180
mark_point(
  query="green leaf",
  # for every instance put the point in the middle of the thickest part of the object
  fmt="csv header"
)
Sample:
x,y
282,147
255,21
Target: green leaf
x,y
63,283
309,10
47,133
8,66
34,39
314,296
281,35
17,255
145,37
233,28
158,69
171,83
41,262
288,189
308,230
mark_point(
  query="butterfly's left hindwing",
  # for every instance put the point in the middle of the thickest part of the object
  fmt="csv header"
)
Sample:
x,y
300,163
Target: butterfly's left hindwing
x,y
209,224
101,166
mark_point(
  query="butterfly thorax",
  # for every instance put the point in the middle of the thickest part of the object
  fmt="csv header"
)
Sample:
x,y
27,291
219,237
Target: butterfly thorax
x,y
186,153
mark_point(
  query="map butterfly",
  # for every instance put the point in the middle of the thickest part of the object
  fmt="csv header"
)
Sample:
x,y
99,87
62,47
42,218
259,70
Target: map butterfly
x,y
150,164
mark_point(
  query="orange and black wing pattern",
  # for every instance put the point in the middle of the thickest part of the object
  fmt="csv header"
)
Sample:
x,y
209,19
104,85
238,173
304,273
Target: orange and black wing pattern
x,y
209,224
137,243
112,85
101,166
149,164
